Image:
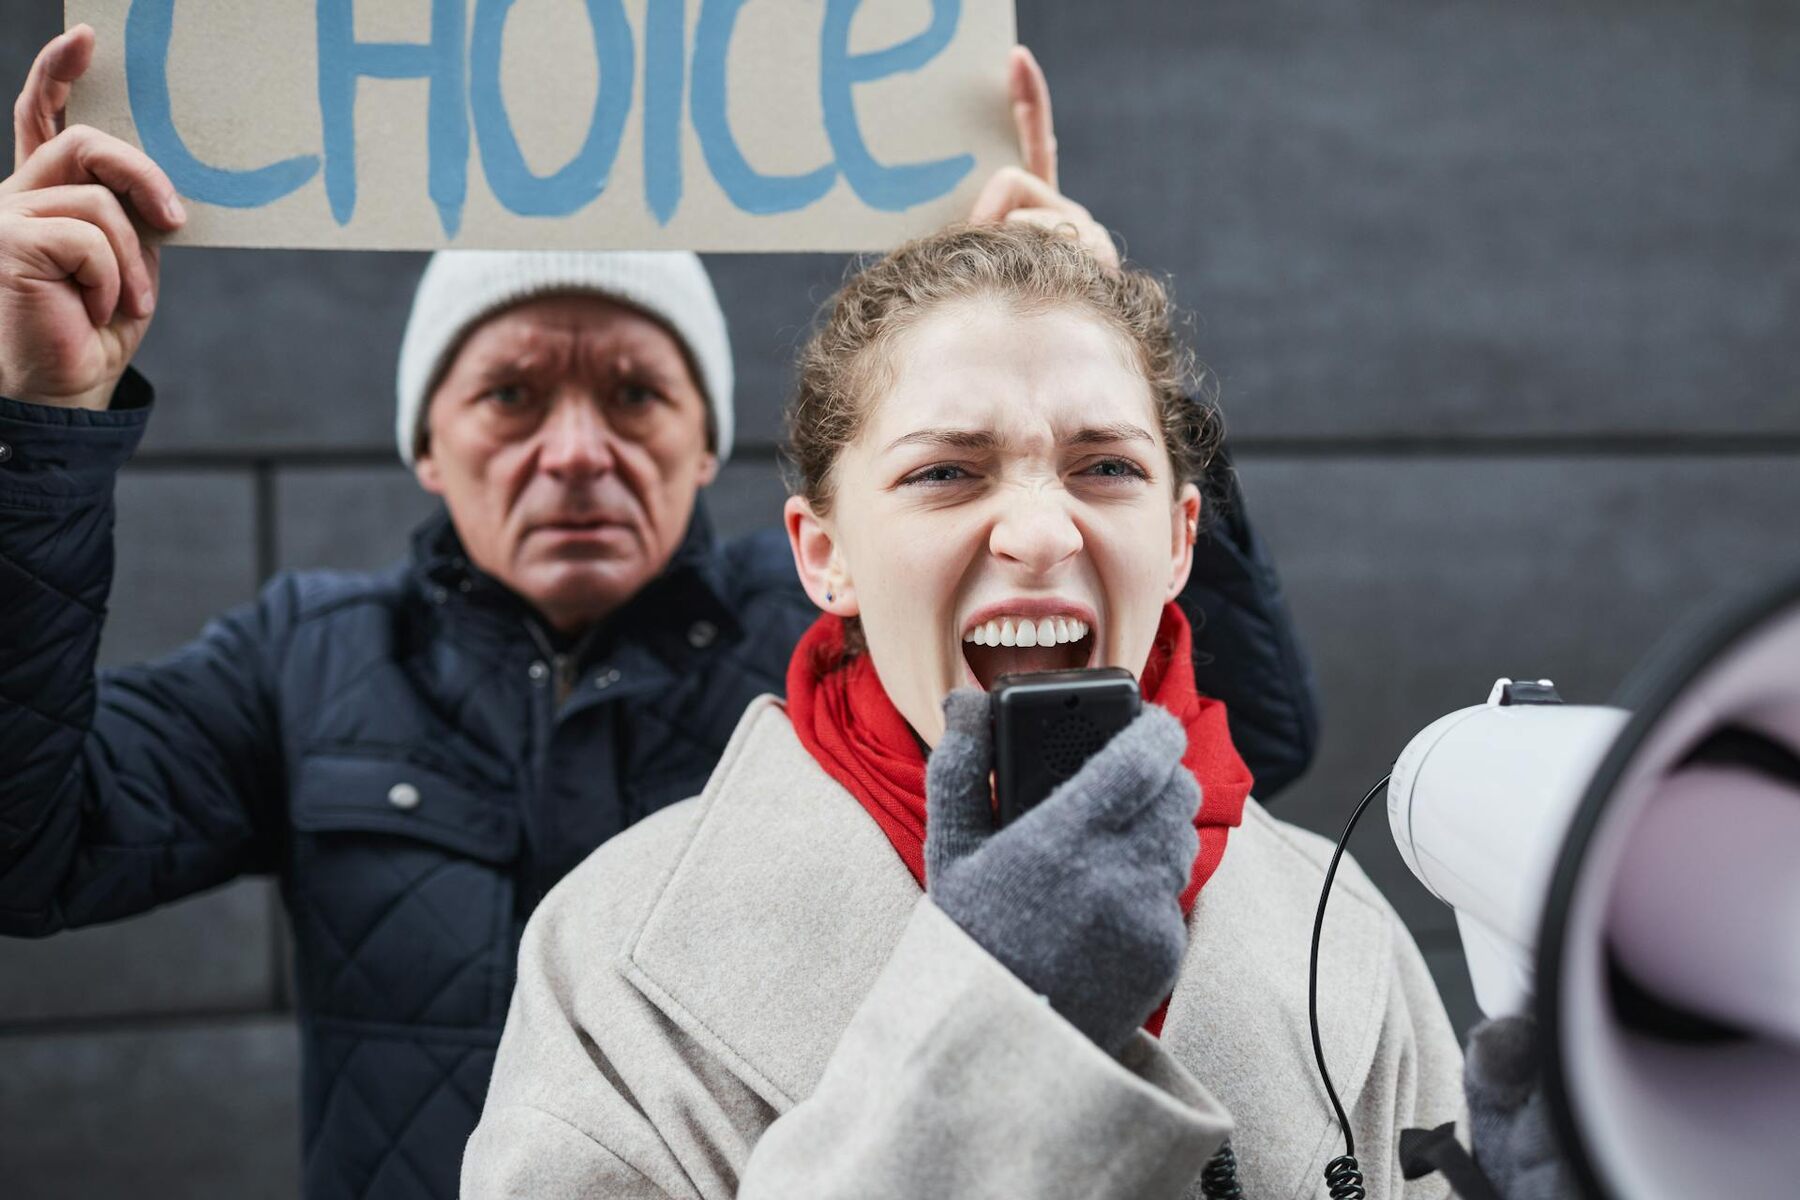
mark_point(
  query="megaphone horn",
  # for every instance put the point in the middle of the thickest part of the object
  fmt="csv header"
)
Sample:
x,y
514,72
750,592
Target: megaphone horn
x,y
1633,875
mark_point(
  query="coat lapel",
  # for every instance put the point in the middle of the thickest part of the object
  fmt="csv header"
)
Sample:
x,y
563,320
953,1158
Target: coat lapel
x,y
778,915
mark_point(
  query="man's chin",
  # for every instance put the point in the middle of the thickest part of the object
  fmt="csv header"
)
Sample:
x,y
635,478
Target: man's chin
x,y
575,593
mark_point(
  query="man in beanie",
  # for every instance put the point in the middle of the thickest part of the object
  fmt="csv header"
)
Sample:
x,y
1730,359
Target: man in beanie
x,y
420,753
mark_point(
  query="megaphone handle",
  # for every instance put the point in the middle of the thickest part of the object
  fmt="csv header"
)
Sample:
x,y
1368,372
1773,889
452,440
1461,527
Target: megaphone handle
x,y
1498,968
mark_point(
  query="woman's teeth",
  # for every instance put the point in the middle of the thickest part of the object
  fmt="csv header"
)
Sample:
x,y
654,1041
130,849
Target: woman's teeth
x,y
1021,631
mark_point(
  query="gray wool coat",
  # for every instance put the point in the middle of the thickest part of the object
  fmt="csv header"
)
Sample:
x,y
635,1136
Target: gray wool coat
x,y
747,996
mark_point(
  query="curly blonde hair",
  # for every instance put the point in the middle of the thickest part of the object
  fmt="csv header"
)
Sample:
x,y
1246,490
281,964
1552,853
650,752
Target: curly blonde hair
x,y
848,360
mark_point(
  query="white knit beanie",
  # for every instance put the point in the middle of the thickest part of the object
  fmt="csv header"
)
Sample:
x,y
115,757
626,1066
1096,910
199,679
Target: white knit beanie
x,y
461,288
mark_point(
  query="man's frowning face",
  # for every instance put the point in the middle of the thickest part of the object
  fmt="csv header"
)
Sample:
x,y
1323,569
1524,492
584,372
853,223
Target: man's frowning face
x,y
568,438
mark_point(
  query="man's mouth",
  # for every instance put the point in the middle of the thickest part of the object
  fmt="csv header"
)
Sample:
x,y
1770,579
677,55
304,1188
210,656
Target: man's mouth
x,y
1012,643
576,525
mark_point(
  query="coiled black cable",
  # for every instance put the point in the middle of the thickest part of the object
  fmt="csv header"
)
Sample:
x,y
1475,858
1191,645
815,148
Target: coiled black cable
x,y
1344,1178
1343,1175
1219,1181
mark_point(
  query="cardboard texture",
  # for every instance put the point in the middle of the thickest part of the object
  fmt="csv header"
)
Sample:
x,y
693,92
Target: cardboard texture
x,y
670,124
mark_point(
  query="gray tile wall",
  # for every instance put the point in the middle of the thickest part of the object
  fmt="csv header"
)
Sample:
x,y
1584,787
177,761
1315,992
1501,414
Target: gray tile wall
x,y
189,1108
1502,298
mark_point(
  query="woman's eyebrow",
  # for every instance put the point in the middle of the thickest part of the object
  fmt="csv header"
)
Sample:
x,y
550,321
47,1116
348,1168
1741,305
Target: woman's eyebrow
x,y
1101,435
955,439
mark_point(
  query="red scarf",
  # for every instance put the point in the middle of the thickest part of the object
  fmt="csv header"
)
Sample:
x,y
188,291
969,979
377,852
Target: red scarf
x,y
847,723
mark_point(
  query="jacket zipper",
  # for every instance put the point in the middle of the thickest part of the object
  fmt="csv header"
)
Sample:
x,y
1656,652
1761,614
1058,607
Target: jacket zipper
x,y
563,668
543,722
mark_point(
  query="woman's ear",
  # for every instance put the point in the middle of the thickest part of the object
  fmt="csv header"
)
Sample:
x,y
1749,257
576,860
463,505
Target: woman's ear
x,y
1184,525
816,559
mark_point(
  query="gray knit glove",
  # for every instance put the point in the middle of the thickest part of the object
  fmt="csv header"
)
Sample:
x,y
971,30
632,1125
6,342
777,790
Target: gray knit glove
x,y
1509,1122
1080,897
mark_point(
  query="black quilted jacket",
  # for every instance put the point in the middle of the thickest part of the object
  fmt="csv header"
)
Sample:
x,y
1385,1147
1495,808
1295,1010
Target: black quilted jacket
x,y
416,761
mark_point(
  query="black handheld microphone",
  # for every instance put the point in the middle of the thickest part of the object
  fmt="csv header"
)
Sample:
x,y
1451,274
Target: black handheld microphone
x,y
1048,723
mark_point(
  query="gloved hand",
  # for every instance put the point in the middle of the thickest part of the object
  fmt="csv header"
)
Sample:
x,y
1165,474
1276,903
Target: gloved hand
x,y
1509,1121
1080,897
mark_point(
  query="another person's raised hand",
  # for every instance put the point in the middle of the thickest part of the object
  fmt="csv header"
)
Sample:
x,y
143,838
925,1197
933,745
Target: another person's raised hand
x,y
1031,193
78,267
1081,897
1509,1116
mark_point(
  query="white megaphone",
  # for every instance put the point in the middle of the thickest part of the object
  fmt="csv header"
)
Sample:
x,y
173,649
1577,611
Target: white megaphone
x,y
1631,875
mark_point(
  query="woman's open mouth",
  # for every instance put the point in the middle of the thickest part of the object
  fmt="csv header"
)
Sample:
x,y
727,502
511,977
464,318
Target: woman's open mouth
x,y
1016,644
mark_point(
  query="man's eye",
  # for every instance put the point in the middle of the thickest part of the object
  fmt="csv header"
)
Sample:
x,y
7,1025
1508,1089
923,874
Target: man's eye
x,y
507,396
937,473
635,395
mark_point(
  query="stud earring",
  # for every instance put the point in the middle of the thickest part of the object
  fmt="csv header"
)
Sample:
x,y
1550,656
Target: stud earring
x,y
829,598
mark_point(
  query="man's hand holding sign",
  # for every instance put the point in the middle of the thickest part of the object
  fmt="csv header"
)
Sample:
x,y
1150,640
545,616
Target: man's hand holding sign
x,y
78,248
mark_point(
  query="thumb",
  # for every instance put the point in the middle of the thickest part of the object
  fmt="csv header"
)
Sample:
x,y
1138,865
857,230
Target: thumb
x,y
959,808
1501,1064
1134,769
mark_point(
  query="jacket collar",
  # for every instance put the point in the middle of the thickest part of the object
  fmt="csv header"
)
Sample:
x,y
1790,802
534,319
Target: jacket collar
x,y
815,900
661,619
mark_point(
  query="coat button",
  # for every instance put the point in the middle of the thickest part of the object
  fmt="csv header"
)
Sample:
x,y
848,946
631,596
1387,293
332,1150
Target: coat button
x,y
607,678
701,634
5,452
403,796
539,671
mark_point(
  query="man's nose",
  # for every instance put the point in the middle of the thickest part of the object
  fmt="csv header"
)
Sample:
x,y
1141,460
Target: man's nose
x,y
1036,530
575,440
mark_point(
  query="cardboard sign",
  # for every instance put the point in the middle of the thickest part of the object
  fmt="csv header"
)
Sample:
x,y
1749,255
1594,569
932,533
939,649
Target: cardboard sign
x,y
700,124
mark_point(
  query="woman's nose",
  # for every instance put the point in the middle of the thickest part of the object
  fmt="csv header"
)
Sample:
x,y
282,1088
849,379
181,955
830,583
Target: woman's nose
x,y
576,441
1036,531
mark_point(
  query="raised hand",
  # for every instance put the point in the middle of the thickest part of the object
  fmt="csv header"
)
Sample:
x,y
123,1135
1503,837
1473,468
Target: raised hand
x,y
78,259
1031,194
1509,1116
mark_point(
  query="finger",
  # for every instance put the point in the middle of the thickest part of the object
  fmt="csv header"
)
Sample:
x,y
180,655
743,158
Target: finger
x,y
100,207
1500,1066
959,799
1031,115
1055,219
75,249
1131,771
1076,225
1010,188
38,112
82,154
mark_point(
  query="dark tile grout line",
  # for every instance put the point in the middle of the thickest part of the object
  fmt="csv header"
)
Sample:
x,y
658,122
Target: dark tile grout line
x,y
1594,445
268,555
265,521
1711,445
142,1022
